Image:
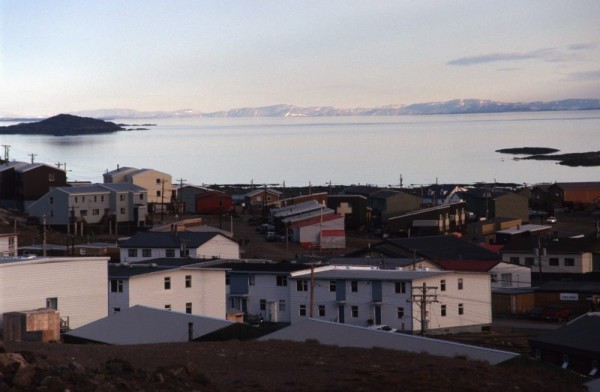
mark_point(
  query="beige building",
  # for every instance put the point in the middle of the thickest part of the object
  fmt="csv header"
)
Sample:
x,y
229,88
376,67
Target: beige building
x,y
158,184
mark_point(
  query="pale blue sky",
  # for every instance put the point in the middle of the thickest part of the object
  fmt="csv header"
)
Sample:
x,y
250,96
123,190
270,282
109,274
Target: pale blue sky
x,y
64,56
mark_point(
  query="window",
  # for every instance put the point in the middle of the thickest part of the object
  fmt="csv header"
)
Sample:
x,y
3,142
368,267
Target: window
x,y
146,252
332,286
302,310
400,312
443,285
52,303
188,281
51,200
506,280
493,277
158,180
354,311
170,253
281,280
529,261
302,285
167,283
263,304
514,260
460,283
76,199
101,197
158,193
168,307
461,309
116,286
443,311
553,261
95,211
188,307
227,279
569,262
141,196
116,310
400,287
121,197
282,305
251,280
51,177
354,286
95,198
122,211
83,212
321,310
83,199
132,252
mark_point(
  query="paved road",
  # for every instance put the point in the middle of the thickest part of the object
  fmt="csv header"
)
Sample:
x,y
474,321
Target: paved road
x,y
522,324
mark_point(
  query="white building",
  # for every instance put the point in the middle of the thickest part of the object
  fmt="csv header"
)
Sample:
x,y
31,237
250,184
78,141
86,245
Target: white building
x,y
8,245
75,286
454,301
258,288
144,246
186,288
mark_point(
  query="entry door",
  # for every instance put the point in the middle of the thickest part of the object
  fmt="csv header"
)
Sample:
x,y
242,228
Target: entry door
x,y
341,319
377,315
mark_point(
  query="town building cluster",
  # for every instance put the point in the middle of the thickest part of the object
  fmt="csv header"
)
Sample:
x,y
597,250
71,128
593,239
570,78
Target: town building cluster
x,y
440,258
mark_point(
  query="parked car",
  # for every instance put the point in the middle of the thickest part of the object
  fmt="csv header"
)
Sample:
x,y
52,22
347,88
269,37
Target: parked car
x,y
385,328
557,313
551,219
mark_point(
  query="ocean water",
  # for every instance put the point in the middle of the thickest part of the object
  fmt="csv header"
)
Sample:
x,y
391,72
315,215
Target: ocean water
x,y
342,150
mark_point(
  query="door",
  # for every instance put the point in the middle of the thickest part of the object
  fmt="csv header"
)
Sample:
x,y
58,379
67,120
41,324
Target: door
x,y
341,319
377,315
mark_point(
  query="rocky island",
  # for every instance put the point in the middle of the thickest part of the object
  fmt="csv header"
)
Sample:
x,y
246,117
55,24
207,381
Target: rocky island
x,y
591,158
63,125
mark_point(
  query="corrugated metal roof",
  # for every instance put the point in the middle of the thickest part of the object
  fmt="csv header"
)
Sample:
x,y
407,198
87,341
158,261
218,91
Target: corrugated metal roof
x,y
166,240
370,274
145,325
344,335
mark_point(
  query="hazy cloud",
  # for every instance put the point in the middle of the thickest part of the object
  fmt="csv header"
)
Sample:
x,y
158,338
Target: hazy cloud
x,y
584,76
544,54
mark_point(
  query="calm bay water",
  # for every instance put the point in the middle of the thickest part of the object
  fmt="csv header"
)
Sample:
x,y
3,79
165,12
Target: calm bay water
x,y
343,150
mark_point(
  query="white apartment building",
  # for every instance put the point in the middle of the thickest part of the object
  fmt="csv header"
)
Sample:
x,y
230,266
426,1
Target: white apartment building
x,y
75,286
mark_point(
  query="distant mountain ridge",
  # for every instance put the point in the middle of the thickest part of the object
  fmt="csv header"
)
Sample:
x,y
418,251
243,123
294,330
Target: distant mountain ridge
x,y
456,106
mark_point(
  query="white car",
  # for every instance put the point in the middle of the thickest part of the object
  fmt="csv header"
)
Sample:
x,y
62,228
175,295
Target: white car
x,y
551,219
385,328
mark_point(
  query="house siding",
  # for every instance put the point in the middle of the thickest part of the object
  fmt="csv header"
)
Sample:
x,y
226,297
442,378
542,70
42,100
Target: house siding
x,y
78,284
207,293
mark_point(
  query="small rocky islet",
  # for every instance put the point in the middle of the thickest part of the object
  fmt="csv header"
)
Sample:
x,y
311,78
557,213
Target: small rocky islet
x,y
587,159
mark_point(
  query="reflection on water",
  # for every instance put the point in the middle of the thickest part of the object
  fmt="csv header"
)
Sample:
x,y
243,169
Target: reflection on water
x,y
344,150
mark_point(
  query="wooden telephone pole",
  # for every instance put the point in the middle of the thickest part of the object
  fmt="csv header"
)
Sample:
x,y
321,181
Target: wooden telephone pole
x,y
421,297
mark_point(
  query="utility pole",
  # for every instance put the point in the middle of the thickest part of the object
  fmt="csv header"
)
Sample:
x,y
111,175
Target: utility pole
x,y
6,148
539,252
44,236
421,297
312,290
180,196
32,155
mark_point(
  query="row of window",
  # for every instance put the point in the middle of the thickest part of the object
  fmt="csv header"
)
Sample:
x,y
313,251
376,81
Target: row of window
x,y
354,310
552,261
147,252
188,308
116,285
399,287
460,284
281,305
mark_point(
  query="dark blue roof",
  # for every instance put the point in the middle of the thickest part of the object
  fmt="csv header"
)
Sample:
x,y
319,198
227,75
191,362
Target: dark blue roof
x,y
167,240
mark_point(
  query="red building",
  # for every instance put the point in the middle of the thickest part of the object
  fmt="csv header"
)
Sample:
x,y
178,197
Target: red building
x,y
213,203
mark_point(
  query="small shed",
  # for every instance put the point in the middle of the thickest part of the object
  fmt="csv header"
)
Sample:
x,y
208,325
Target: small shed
x,y
39,325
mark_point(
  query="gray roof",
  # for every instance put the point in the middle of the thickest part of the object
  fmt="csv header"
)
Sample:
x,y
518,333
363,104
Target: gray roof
x,y
163,240
145,325
580,334
375,261
101,188
345,335
299,208
375,274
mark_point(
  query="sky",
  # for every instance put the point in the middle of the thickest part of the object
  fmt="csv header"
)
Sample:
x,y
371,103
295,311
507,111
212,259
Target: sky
x,y
61,56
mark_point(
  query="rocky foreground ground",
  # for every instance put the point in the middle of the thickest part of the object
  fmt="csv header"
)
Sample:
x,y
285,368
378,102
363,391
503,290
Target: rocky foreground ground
x,y
256,366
